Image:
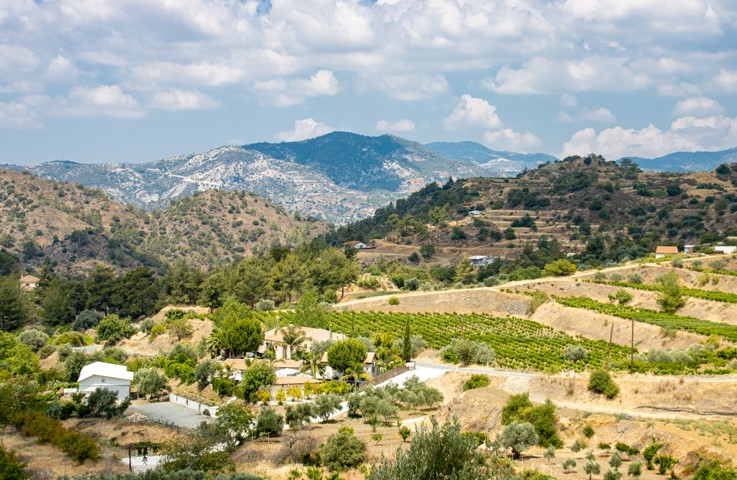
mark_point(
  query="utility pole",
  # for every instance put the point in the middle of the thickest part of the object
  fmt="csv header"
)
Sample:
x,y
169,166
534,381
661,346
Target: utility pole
x,y
609,351
632,348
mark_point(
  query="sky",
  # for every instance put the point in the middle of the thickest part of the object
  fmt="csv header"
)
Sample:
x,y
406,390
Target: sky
x,y
129,81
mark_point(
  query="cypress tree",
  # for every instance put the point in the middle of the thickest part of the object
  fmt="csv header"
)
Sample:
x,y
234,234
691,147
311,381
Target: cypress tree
x,y
407,343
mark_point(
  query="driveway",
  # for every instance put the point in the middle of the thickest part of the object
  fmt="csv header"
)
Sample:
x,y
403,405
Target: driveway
x,y
170,414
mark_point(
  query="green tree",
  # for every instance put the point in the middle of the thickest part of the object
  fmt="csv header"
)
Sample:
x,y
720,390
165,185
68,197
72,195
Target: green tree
x,y
465,272
16,357
670,298
183,283
112,329
236,419
343,451
518,436
241,335
13,309
104,403
259,374
149,382
559,268
346,354
11,466
34,338
592,468
427,250
57,308
568,464
308,311
714,471
269,423
326,405
203,372
407,343
635,470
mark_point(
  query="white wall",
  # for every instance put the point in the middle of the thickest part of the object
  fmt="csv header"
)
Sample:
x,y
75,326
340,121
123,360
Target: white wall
x,y
121,387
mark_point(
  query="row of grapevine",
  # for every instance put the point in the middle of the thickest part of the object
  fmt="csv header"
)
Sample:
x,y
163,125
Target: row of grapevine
x,y
719,271
661,319
519,343
689,292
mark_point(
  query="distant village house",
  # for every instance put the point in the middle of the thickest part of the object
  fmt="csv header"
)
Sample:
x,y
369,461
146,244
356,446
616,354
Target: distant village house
x,y
725,249
663,250
689,249
355,244
275,339
28,283
481,260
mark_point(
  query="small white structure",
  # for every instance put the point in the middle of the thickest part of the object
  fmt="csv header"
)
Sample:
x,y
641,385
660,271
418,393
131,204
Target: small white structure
x,y
475,213
355,244
689,249
725,249
481,260
106,375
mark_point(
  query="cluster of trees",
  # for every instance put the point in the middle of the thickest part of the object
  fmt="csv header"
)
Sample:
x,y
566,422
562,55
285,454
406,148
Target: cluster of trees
x,y
279,275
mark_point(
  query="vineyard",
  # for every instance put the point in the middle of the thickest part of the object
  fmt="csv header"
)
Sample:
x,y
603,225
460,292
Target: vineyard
x,y
720,271
689,292
661,319
519,344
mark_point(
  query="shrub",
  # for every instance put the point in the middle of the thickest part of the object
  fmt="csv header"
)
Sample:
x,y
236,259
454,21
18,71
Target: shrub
x,y
476,381
588,431
574,353
518,436
601,382
269,423
85,320
34,338
650,452
393,300
342,450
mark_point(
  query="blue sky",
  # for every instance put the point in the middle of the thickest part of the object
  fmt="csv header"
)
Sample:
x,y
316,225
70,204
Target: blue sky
x,y
138,80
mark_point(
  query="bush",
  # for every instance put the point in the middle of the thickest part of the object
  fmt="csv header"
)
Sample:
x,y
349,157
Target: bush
x,y
476,381
85,320
269,423
112,329
601,382
104,403
518,436
11,466
46,351
265,305
588,431
574,353
147,325
393,300
342,451
34,338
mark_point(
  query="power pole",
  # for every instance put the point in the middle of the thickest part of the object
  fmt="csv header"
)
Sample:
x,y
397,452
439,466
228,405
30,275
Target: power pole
x,y
609,351
632,348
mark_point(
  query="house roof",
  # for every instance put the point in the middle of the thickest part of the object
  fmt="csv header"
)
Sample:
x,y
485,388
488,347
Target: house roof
x,y
666,250
479,257
105,370
235,363
295,380
287,363
316,334
29,279
352,243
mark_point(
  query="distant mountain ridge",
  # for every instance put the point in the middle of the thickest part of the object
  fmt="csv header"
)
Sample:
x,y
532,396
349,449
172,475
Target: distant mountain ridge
x,y
341,177
687,161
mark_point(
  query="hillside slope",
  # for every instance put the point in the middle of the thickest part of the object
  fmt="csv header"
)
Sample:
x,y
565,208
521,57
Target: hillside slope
x,y
70,224
572,201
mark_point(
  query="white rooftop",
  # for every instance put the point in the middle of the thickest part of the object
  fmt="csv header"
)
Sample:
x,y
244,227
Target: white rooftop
x,y
105,370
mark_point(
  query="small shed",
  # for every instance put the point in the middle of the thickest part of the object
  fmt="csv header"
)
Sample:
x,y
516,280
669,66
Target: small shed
x,y
355,244
663,250
475,213
106,375
28,282
689,249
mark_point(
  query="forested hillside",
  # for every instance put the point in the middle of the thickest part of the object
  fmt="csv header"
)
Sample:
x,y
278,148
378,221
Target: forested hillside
x,y
605,210
76,227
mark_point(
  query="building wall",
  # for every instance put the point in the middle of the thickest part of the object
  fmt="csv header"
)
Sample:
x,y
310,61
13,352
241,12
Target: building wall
x,y
121,387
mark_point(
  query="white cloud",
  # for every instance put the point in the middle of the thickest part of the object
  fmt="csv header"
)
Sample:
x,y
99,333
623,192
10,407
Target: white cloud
x,y
508,139
18,115
408,87
200,73
474,113
685,134
568,100
285,93
177,100
304,129
16,59
61,69
601,115
104,100
544,75
402,125
698,106
726,80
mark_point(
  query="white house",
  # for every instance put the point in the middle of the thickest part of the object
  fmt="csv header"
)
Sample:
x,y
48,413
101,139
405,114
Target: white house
x,y
106,375
29,282
355,244
475,213
725,249
481,260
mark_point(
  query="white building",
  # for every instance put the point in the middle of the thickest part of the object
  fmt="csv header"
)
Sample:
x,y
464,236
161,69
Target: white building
x,y
106,375
725,249
481,260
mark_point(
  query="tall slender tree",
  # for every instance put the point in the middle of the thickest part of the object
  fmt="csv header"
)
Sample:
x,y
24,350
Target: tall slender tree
x,y
407,343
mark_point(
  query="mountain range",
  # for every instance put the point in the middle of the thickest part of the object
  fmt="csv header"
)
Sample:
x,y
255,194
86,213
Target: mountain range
x,y
339,177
